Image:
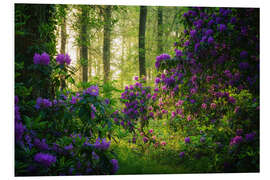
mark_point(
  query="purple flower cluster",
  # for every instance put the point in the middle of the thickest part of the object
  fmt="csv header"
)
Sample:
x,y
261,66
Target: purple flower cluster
x,y
19,127
145,139
222,27
231,100
178,53
210,40
204,106
187,139
209,32
69,147
92,90
193,33
236,140
74,100
228,74
17,113
239,132
28,141
250,136
63,58
42,145
244,65
43,59
95,156
244,54
136,99
19,130
181,154
161,58
45,159
43,103
170,80
157,80
136,78
93,111
102,145
115,166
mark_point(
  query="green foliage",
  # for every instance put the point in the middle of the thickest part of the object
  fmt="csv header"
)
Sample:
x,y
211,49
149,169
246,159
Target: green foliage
x,y
148,130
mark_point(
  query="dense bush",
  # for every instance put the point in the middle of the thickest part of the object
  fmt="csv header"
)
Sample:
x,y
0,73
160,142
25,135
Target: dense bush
x,y
214,79
47,142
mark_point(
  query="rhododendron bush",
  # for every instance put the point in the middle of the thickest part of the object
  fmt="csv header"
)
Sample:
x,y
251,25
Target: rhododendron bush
x,y
214,79
63,135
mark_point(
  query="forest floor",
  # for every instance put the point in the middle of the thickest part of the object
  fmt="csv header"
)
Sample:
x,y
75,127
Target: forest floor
x,y
132,162
143,158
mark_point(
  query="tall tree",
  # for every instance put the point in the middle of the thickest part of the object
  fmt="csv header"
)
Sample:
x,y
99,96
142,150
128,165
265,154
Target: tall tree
x,y
34,33
106,42
83,39
142,27
122,62
160,29
90,62
63,25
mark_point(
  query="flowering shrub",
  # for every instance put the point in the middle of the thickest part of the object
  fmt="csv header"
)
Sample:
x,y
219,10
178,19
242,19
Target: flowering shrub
x,y
45,159
58,153
45,141
43,59
138,107
214,80
63,59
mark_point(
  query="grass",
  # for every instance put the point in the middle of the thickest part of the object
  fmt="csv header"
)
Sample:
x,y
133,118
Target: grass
x,y
133,162
142,158
133,159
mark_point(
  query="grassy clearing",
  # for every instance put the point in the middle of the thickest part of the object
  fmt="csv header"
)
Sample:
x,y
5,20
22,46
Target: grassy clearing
x,y
133,162
147,159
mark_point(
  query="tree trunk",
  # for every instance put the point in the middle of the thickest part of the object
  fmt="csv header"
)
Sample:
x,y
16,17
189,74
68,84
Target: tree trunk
x,y
106,43
63,34
99,66
90,65
142,27
63,42
122,64
160,30
84,49
30,19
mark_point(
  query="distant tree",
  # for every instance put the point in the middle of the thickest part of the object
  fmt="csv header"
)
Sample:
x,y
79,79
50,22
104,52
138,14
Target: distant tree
x,y
107,42
142,27
160,29
63,25
83,44
62,11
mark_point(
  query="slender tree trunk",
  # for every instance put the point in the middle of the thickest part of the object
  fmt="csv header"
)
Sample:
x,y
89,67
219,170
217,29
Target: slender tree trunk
x,y
63,43
84,48
90,65
160,30
63,36
172,25
122,64
106,43
98,66
142,27
78,51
